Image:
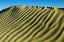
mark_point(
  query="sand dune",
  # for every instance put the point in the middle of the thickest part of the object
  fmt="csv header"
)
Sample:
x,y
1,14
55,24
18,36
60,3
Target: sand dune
x,y
32,24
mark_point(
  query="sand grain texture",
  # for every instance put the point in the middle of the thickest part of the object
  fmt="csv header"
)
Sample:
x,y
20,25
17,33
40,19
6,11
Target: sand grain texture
x,y
32,24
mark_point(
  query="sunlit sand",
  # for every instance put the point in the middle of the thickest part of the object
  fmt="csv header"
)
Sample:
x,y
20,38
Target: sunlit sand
x,y
32,24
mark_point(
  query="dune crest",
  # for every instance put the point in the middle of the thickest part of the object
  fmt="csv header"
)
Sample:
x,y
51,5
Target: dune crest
x,y
32,24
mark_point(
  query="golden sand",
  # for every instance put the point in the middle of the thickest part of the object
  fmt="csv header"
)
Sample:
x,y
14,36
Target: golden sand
x,y
32,24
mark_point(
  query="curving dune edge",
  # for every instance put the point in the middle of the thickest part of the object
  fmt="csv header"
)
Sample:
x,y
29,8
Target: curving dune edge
x,y
32,24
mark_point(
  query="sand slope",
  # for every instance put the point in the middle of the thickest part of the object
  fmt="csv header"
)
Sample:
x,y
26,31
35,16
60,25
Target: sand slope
x,y
32,24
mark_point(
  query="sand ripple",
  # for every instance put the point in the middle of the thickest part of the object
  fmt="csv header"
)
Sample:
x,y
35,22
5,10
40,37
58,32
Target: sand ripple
x,y
32,24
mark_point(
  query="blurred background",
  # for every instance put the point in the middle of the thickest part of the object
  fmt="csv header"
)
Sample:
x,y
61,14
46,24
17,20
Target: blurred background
x,y
48,3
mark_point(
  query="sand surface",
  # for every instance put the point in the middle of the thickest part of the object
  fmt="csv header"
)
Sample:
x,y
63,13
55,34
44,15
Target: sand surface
x,y
32,24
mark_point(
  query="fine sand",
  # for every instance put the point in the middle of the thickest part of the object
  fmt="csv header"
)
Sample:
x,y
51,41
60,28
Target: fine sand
x,y
32,24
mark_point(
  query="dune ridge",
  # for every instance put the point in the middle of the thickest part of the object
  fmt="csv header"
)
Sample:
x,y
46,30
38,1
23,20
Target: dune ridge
x,y
32,24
